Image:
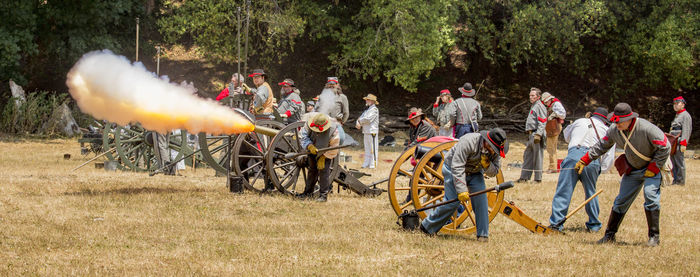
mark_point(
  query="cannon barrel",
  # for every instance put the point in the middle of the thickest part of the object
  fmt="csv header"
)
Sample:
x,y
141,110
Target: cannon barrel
x,y
265,130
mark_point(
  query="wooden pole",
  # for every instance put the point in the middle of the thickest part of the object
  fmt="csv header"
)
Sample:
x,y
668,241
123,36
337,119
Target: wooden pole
x,y
137,39
90,160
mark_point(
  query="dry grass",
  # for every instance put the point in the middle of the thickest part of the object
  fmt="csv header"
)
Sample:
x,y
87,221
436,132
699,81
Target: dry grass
x,y
93,222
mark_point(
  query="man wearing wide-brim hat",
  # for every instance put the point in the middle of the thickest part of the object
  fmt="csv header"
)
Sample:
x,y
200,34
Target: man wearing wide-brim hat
x,y
466,112
646,151
319,132
581,135
682,126
420,128
466,163
291,107
264,99
369,123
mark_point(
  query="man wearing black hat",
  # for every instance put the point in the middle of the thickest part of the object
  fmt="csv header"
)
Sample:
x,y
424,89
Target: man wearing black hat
x,y
535,128
466,163
264,99
646,150
291,107
581,135
681,126
466,112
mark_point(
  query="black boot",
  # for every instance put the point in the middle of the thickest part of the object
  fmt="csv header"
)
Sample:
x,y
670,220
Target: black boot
x,y
653,223
613,223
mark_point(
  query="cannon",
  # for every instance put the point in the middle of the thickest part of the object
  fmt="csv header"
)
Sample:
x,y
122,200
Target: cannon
x,y
425,184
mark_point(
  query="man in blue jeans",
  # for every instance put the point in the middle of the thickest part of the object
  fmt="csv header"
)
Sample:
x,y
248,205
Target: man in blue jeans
x,y
466,163
646,150
581,135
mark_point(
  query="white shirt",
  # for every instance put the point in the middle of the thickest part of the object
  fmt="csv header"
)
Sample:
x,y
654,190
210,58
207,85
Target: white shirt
x,y
558,109
581,133
370,120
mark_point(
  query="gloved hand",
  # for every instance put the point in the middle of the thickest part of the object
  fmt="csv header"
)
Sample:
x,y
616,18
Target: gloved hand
x,y
485,161
537,138
321,162
464,196
652,170
246,88
682,148
579,166
312,149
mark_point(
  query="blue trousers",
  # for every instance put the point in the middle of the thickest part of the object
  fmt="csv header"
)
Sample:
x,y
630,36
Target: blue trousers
x,y
631,184
480,206
566,184
463,129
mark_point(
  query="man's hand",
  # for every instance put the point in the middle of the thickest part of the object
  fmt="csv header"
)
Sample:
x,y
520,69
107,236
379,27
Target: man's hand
x,y
649,173
579,166
312,149
537,138
682,148
246,88
464,196
485,161
652,170
321,162
358,126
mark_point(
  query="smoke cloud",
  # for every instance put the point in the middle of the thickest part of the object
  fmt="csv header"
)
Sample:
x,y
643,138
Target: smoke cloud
x,y
326,101
109,87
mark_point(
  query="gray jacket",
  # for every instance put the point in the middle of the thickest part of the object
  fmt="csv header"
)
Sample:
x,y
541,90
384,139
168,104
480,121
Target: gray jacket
x,y
420,133
292,103
465,159
682,124
340,109
466,110
648,139
537,119
443,113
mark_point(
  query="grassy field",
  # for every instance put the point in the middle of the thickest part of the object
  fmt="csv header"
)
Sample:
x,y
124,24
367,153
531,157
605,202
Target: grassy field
x,y
93,222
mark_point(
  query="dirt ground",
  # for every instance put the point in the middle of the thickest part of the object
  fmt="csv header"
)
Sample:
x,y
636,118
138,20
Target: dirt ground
x,y
54,221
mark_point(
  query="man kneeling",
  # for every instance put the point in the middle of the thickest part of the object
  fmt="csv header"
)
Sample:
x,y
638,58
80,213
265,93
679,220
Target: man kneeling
x,y
474,155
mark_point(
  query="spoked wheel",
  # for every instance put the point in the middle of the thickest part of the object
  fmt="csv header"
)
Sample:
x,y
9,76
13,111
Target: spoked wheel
x,y
108,143
399,186
427,188
289,174
135,147
248,158
214,150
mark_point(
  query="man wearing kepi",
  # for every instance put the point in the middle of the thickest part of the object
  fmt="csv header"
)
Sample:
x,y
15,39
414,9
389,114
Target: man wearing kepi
x,y
369,123
443,109
535,129
466,112
581,135
646,150
319,132
263,101
291,107
466,163
681,126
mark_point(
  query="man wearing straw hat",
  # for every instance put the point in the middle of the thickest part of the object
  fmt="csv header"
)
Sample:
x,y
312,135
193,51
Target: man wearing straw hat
x,y
466,112
556,117
681,126
319,132
646,150
581,135
369,123
466,163
420,129
291,107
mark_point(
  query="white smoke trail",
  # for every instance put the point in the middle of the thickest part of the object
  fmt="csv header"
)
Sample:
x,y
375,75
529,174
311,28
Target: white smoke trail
x,y
108,87
326,101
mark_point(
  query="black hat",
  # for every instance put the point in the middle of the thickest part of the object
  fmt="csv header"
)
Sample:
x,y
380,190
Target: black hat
x,y
467,90
257,72
497,139
601,113
622,112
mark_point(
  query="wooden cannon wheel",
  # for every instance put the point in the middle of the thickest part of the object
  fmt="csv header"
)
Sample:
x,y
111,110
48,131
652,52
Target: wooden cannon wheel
x,y
427,188
399,185
108,143
248,158
135,147
289,174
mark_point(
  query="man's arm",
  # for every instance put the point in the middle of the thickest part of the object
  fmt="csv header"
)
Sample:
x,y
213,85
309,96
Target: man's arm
x,y
558,110
602,146
686,129
478,111
222,94
541,114
346,109
662,149
304,138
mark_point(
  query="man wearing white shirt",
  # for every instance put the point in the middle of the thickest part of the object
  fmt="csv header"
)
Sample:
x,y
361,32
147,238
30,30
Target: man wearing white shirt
x,y
581,135
369,123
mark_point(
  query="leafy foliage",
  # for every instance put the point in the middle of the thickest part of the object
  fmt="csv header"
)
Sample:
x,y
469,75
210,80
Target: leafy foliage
x,y
30,115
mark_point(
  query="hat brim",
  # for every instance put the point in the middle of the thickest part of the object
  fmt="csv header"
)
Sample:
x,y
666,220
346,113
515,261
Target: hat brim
x,y
467,92
494,147
367,98
257,74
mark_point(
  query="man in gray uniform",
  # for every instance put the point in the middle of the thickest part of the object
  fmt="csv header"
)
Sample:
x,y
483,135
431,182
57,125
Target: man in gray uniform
x,y
162,153
535,129
319,132
646,150
466,163
291,107
681,126
264,99
466,112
